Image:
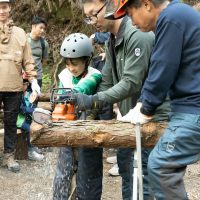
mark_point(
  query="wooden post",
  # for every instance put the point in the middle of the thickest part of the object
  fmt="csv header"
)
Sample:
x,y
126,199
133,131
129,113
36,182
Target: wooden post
x,y
21,148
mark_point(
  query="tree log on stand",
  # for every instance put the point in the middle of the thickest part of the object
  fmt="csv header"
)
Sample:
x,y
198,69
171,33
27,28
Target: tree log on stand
x,y
109,134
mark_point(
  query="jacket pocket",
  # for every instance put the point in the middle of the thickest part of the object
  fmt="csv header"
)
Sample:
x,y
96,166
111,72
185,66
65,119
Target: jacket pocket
x,y
168,140
18,61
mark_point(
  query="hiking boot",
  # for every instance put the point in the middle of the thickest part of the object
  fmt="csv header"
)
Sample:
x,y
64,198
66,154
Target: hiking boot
x,y
9,161
33,155
111,159
114,171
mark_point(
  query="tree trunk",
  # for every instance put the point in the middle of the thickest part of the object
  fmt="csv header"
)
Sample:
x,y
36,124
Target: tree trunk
x,y
95,134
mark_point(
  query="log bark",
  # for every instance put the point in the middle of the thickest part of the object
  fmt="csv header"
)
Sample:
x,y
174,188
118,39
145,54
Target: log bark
x,y
110,134
45,97
45,105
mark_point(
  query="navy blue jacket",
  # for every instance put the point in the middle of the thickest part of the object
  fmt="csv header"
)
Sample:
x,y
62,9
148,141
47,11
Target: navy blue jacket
x,y
26,110
175,61
101,37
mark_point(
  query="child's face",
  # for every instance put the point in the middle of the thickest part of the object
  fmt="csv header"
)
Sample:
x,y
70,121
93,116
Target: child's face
x,y
75,66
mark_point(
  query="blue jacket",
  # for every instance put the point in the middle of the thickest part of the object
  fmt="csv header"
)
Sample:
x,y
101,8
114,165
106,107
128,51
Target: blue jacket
x,y
175,61
101,37
24,118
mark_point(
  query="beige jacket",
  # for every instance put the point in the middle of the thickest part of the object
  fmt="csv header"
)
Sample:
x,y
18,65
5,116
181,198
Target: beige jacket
x,y
15,55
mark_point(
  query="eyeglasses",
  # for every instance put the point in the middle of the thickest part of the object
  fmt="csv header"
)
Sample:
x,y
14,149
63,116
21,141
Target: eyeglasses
x,y
94,18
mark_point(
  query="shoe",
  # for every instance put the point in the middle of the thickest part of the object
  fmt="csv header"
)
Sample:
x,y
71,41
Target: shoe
x,y
114,171
33,155
9,161
112,160
37,150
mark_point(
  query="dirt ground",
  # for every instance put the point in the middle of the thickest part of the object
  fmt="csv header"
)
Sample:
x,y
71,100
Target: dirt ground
x,y
34,181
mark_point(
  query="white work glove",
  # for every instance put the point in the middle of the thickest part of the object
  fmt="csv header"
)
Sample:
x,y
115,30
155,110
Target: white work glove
x,y
42,110
39,109
35,87
135,116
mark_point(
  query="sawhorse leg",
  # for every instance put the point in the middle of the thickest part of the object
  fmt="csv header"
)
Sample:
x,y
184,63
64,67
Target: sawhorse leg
x,y
137,172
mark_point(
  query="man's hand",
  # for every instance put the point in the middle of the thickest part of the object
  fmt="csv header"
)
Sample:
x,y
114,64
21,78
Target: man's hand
x,y
35,87
135,116
85,102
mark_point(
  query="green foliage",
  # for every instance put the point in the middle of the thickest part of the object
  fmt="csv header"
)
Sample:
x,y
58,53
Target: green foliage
x,y
46,81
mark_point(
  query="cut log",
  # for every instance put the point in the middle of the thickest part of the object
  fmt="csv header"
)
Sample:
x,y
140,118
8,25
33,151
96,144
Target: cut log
x,y
110,134
45,105
45,97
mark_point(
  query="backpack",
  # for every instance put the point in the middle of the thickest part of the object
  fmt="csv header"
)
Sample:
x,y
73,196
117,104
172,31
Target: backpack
x,y
42,42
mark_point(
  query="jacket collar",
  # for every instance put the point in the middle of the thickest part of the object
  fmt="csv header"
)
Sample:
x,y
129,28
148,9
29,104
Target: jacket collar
x,y
121,32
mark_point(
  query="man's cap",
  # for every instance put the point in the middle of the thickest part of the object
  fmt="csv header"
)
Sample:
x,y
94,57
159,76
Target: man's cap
x,y
115,9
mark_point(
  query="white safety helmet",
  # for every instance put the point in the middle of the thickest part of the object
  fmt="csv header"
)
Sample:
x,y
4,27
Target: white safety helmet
x,y
76,45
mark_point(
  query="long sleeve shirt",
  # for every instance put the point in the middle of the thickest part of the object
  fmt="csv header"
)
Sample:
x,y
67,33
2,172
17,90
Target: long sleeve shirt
x,y
127,57
86,84
175,61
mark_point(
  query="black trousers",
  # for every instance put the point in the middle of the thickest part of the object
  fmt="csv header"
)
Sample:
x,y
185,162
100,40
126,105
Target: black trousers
x,y
11,102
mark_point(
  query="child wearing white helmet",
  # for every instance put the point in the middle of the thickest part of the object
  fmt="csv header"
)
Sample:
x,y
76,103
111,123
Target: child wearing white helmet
x,y
77,51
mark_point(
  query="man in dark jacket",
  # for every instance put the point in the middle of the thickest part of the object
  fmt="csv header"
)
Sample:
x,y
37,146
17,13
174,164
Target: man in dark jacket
x,y
174,70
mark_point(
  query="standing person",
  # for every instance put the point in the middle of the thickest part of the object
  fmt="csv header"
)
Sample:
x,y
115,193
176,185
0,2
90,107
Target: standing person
x,y
174,70
39,45
99,62
15,55
77,51
127,55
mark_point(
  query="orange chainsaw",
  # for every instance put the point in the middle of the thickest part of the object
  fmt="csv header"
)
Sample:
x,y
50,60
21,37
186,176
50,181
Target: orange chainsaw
x,y
62,104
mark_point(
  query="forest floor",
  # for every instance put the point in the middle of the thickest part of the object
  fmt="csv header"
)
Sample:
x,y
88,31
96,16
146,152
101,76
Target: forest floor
x,y
34,181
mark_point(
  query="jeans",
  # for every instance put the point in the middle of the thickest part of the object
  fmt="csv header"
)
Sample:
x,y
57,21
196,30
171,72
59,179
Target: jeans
x,y
26,128
63,175
12,102
89,174
177,148
125,162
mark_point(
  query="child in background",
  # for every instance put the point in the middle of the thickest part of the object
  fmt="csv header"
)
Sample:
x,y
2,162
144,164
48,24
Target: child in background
x,y
24,120
77,51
